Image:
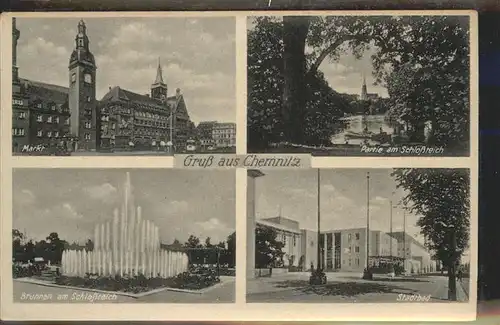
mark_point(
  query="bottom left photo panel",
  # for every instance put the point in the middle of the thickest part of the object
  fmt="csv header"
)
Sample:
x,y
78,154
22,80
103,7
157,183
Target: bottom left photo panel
x,y
123,235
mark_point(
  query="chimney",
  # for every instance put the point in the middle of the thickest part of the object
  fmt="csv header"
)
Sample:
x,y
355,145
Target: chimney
x,y
177,92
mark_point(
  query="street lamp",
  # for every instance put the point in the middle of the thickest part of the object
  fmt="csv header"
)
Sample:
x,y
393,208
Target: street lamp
x,y
319,221
318,276
367,275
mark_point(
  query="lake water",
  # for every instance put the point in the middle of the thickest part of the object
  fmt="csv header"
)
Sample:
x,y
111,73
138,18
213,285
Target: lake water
x,y
357,124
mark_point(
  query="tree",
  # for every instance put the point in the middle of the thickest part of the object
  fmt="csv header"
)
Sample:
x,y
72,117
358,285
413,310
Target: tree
x,y
285,104
268,250
17,245
207,243
55,247
193,242
441,198
231,250
424,63
89,245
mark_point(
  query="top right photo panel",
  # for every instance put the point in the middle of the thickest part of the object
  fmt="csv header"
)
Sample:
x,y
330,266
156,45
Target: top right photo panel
x,y
359,85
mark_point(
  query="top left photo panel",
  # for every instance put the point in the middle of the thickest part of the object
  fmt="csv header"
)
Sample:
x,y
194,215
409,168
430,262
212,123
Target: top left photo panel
x,y
123,86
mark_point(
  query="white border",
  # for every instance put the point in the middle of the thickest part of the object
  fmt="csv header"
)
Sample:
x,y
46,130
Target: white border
x,y
240,311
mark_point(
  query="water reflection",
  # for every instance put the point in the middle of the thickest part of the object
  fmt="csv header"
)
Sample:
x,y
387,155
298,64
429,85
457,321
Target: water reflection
x,y
360,129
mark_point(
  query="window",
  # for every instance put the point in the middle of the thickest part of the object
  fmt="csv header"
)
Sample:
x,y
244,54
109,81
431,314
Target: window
x,y
80,42
88,125
357,236
88,99
53,107
38,105
88,78
49,134
39,118
349,262
66,122
49,119
87,136
22,115
18,132
113,126
73,77
294,241
56,134
349,237
357,261
39,133
17,102
56,119
356,249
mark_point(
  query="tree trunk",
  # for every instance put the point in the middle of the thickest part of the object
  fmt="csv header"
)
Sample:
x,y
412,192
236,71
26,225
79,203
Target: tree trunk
x,y
452,283
294,94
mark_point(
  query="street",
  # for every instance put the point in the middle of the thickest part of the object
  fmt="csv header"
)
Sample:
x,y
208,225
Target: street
x,y
33,293
348,287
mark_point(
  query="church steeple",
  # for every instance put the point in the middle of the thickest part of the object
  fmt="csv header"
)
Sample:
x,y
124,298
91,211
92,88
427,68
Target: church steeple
x,y
364,92
82,40
159,88
159,74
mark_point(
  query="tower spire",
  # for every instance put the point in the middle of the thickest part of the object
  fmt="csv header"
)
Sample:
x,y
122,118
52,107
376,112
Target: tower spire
x,y
159,73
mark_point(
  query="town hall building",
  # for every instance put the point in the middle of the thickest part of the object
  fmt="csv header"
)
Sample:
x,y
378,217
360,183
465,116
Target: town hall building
x,y
46,115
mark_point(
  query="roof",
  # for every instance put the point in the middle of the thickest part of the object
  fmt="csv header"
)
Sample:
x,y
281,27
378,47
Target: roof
x,y
45,91
279,226
118,94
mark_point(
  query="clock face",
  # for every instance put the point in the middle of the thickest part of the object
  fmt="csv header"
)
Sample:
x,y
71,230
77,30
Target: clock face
x,y
88,78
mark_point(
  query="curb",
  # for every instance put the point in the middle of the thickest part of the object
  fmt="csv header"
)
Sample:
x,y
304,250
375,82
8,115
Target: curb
x,y
120,293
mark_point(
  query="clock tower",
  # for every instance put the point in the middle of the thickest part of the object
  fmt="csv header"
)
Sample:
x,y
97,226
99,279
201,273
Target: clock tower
x,y
82,93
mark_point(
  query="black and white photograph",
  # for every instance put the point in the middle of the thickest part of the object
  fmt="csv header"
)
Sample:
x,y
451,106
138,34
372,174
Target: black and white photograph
x,y
309,231
359,85
123,86
123,236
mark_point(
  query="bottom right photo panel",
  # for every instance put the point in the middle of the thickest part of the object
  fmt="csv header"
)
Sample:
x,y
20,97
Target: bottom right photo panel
x,y
358,235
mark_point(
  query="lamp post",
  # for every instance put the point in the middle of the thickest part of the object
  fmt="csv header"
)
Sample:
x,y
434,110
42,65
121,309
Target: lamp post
x,y
171,142
367,275
404,237
319,221
318,276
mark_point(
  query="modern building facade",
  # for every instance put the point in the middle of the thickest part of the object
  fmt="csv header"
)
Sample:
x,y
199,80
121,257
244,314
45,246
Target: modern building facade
x,y
48,115
340,250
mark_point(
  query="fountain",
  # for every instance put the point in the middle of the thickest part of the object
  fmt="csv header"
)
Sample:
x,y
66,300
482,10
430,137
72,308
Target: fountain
x,y
126,246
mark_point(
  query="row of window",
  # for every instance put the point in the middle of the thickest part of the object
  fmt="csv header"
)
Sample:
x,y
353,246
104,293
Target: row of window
x,y
224,136
53,107
349,236
350,264
294,239
151,116
51,119
54,134
150,123
18,132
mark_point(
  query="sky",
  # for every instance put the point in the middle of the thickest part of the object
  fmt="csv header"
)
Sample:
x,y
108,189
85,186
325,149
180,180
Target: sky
x,y
197,55
343,199
345,75
72,201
